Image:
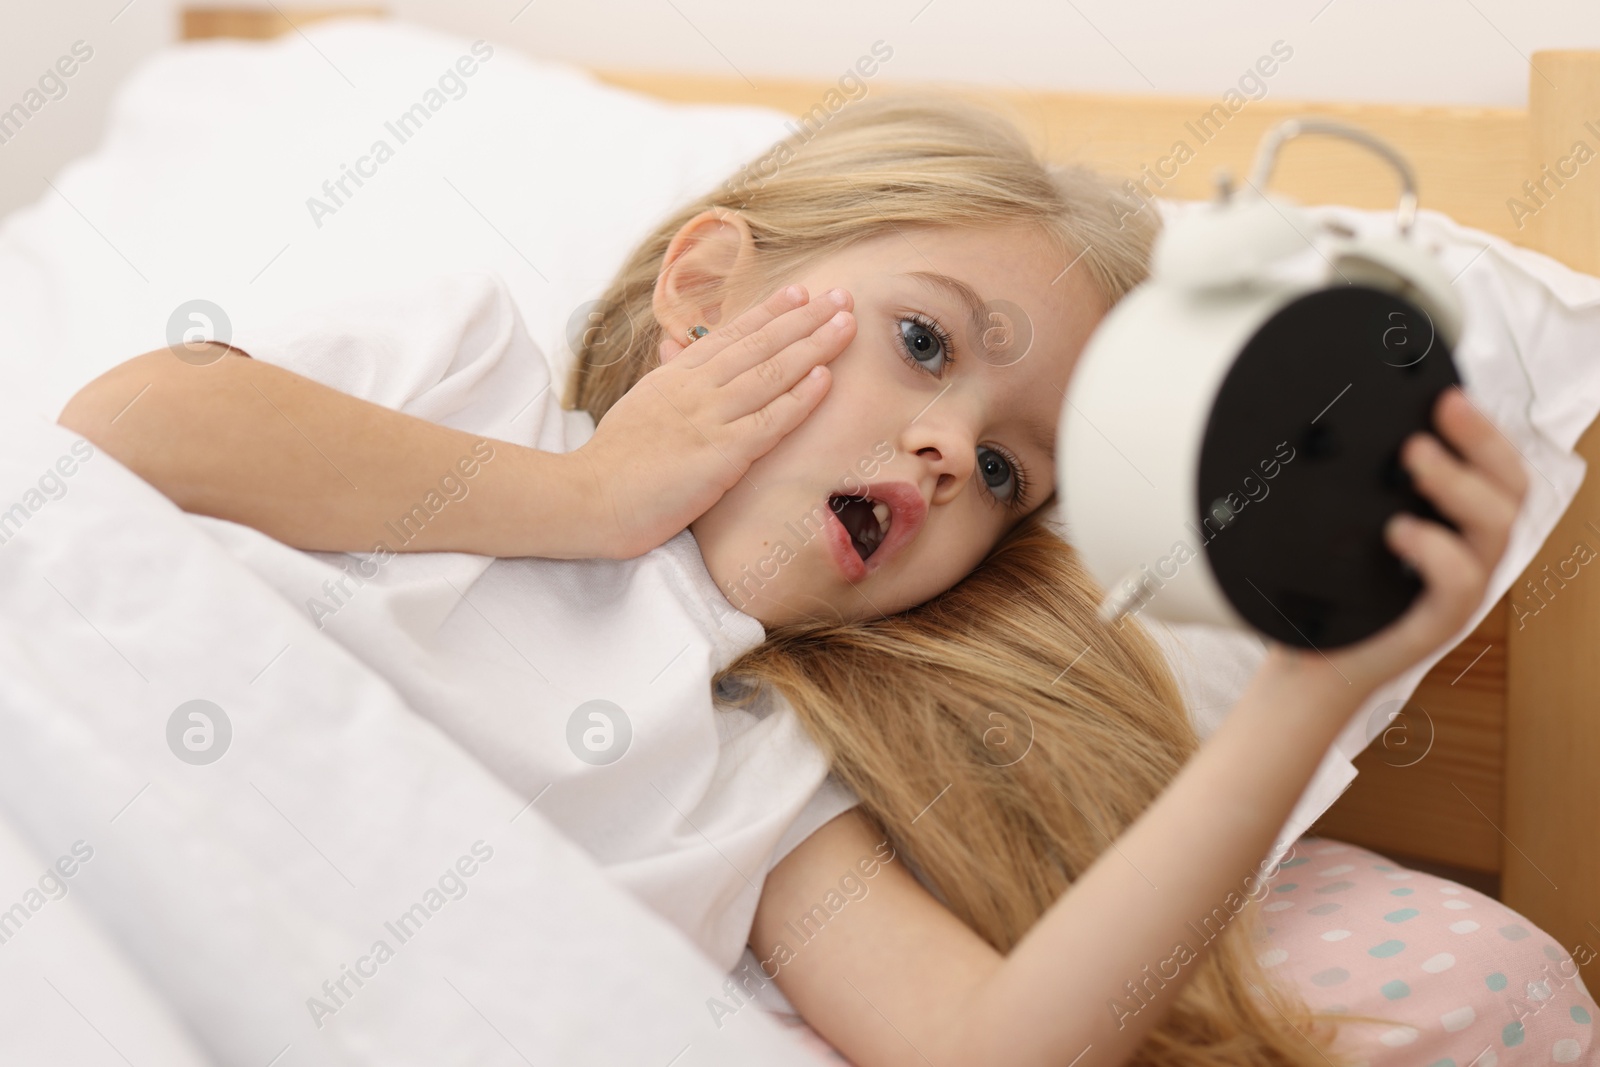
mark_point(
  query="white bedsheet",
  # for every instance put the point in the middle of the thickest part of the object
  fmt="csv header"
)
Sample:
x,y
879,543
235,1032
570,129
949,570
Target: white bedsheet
x,y
217,899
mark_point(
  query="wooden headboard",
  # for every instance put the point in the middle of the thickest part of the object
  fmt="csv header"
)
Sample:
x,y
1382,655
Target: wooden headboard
x,y
1507,796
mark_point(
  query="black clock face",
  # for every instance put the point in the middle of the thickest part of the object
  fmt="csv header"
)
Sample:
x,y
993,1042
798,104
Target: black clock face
x,y
1299,464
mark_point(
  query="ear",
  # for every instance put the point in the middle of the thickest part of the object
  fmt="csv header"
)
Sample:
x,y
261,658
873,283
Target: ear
x,y
697,283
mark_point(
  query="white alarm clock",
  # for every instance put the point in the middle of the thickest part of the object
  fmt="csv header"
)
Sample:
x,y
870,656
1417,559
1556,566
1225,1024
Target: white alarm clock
x,y
1231,432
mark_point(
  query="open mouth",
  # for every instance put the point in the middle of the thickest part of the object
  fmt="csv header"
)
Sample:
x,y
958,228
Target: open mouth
x,y
867,521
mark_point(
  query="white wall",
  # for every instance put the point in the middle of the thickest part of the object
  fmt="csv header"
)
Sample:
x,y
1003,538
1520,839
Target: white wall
x,y
1446,51
1425,51
34,34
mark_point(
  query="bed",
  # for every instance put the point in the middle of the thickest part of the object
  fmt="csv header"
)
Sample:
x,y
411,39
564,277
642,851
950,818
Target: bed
x,y
215,182
1500,733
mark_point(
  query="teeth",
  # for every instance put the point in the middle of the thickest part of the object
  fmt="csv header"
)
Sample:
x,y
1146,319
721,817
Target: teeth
x,y
881,511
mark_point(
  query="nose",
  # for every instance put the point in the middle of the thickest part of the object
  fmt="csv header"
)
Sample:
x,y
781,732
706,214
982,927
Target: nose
x,y
947,462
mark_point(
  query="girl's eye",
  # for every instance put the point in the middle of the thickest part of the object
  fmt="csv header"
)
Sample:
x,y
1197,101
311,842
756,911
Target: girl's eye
x,y
1002,477
925,344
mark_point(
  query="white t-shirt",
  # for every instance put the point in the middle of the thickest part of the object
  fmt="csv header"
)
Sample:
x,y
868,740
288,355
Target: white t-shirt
x,y
684,801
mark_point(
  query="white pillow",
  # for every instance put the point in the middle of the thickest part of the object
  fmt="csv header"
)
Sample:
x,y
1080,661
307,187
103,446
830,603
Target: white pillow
x,y
539,172
213,149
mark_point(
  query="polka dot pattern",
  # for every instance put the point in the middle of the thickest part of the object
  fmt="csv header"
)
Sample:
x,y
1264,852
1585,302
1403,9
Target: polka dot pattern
x,y
1399,1037
1331,977
1492,990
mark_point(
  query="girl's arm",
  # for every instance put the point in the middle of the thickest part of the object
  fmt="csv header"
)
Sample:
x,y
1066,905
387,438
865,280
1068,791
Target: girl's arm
x,y
894,978
247,441
318,469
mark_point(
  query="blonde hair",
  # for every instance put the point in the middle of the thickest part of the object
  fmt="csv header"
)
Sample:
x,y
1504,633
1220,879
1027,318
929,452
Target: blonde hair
x,y
942,700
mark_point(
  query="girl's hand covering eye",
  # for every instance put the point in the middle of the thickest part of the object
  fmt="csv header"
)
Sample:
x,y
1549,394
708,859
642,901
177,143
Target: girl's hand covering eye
x,y
689,429
1479,487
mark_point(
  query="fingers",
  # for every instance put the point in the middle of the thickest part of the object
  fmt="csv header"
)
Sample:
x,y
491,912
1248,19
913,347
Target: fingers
x,y
1482,489
769,379
762,373
1453,577
1478,440
1463,493
770,341
784,300
769,424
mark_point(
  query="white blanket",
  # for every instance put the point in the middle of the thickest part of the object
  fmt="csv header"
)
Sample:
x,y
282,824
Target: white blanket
x,y
219,909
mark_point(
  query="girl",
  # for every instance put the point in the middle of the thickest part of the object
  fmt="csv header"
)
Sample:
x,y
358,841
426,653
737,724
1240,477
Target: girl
x,y
864,473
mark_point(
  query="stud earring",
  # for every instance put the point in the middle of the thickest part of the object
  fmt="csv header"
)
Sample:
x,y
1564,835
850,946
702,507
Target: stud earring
x,y
696,332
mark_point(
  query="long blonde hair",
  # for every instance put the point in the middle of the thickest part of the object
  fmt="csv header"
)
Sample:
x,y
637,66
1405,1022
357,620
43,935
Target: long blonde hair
x,y
1042,733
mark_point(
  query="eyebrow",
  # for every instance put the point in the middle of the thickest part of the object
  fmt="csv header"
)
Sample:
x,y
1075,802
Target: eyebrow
x,y
960,290
1042,434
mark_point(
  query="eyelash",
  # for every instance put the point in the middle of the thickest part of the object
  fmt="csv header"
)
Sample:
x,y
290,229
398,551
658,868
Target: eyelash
x,y
1019,499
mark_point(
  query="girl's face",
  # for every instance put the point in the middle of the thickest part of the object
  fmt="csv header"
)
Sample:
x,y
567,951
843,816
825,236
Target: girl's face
x,y
942,411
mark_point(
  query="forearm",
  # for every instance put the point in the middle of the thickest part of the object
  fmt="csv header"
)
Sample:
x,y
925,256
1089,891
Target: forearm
x,y
321,470
1203,840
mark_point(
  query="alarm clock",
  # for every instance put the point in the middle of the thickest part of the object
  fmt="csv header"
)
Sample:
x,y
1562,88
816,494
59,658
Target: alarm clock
x,y
1230,437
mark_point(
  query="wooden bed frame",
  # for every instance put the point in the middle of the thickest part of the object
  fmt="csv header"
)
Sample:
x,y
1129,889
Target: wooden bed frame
x,y
1507,798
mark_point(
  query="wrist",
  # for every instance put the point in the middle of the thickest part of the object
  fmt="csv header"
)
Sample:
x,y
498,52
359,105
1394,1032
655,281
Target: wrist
x,y
1304,685
579,516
